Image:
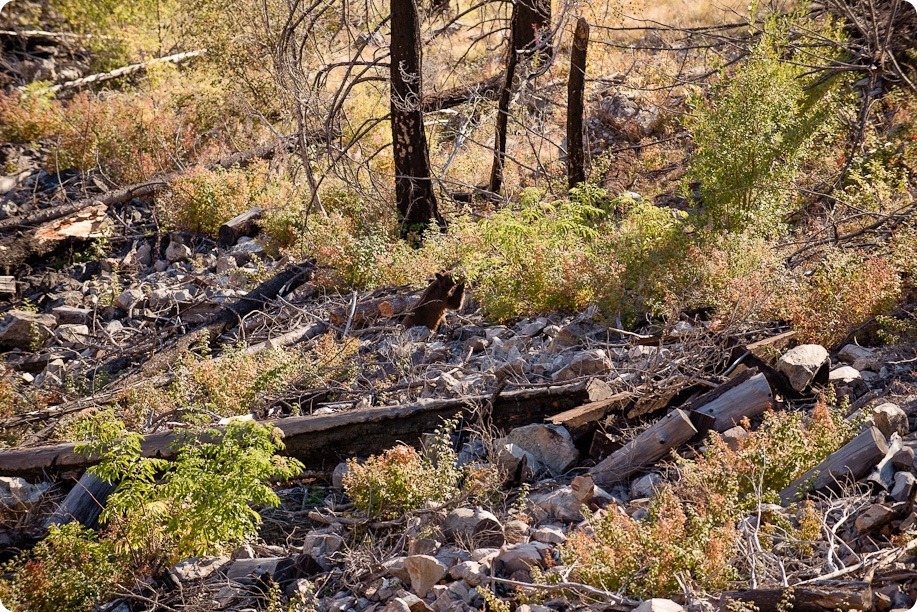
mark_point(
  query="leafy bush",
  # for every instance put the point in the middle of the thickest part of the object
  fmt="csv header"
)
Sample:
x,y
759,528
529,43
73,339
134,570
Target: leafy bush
x,y
401,479
753,134
199,503
690,532
71,569
28,116
202,200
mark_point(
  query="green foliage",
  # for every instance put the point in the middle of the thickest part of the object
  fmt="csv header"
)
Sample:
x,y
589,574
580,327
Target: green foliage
x,y
689,532
753,133
197,504
401,479
71,569
28,116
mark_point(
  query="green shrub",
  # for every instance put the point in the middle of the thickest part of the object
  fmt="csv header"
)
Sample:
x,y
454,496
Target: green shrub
x,y
71,569
690,530
401,479
752,135
28,116
200,503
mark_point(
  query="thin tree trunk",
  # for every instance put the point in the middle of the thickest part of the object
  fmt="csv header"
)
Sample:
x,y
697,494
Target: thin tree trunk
x,y
414,195
576,157
529,19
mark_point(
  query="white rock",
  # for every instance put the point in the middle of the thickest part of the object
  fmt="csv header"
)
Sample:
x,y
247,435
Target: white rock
x,y
23,329
176,252
584,363
844,374
549,534
889,418
802,363
197,568
474,525
551,445
522,556
645,485
514,461
904,485
128,298
859,357
72,334
659,605
560,503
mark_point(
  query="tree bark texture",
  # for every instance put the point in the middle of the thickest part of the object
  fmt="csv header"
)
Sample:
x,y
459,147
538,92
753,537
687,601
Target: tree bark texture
x,y
576,156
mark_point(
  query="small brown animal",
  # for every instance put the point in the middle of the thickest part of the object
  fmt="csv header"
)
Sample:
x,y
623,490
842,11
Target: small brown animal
x,y
442,294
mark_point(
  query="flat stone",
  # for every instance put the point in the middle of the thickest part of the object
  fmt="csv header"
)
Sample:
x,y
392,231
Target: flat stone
x,y
549,534
802,364
474,525
23,329
874,517
518,557
859,357
551,445
70,333
844,374
584,363
197,568
424,571
128,298
71,315
560,503
659,605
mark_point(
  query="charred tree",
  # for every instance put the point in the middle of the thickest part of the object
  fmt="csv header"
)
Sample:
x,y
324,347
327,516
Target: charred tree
x,y
414,195
576,156
530,22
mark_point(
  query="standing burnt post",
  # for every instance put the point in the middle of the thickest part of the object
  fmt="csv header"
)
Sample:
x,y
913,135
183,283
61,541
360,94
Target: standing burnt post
x,y
576,156
414,195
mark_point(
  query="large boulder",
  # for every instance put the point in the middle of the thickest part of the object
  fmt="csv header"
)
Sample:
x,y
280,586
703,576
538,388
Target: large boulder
x,y
424,571
889,418
584,363
24,330
803,364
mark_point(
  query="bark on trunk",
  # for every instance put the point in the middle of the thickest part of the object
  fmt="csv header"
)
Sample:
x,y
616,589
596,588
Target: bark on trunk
x,y
576,156
414,195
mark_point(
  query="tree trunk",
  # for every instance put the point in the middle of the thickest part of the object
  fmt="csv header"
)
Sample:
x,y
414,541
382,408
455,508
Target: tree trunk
x,y
413,188
576,157
529,18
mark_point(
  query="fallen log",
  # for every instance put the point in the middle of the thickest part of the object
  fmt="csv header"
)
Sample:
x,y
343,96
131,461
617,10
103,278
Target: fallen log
x,y
580,421
746,396
456,96
84,503
812,597
372,310
851,462
92,79
140,190
245,224
322,440
669,432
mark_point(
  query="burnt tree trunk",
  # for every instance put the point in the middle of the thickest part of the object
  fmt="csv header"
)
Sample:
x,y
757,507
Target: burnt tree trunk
x,y
576,156
530,18
414,195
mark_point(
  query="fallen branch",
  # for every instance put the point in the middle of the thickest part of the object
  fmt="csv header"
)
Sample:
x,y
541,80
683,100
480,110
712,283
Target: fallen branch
x,y
125,71
813,597
320,440
608,596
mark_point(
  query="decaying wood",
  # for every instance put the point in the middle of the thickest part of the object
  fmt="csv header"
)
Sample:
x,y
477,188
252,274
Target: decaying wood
x,y
369,311
84,503
852,461
138,190
576,156
456,96
812,597
728,406
669,432
322,440
581,420
245,224
92,79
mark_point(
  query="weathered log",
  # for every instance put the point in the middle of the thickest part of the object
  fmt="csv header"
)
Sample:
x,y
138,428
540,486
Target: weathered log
x,y
667,433
140,190
288,339
812,597
374,309
851,462
84,503
322,440
748,398
7,285
580,421
576,156
461,94
92,79
245,224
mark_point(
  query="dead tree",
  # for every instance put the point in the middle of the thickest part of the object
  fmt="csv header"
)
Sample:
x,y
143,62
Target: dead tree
x,y
576,157
530,21
414,195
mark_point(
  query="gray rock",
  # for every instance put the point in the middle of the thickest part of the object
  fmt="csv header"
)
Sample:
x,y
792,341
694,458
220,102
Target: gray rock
x,y
471,572
322,545
518,557
622,112
197,568
549,534
177,252
128,299
71,315
802,363
861,358
337,476
560,503
474,525
844,375
16,492
23,329
424,571
516,531
645,485
551,445
514,461
226,264
245,251
889,418
904,485
70,333
584,363
659,605
734,437
144,255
